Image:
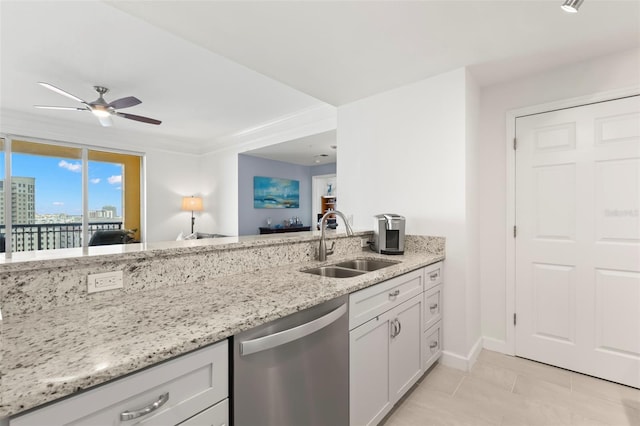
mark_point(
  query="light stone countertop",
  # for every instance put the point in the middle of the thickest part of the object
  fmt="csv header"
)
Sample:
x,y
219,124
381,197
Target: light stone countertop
x,y
73,257
51,354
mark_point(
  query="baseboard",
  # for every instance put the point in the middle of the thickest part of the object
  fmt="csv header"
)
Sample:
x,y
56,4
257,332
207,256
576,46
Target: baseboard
x,y
459,362
496,345
475,352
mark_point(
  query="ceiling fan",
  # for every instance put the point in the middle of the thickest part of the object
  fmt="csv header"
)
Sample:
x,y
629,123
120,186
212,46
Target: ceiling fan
x,y
102,109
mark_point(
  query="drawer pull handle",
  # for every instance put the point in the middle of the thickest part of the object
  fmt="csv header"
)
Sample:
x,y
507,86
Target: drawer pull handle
x,y
394,293
396,328
130,415
433,307
433,345
433,276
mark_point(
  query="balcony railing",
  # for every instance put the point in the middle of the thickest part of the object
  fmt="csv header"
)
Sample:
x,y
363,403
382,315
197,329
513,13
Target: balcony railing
x,y
47,236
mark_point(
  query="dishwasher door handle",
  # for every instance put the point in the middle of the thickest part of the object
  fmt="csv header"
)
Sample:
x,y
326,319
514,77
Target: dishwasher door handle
x,y
277,339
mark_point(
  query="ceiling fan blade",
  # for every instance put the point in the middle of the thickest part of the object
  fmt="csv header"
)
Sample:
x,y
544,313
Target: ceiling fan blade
x,y
127,102
61,107
138,118
106,121
60,91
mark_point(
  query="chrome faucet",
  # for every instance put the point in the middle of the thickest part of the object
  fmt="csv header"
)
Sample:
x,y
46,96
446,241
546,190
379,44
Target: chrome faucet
x,y
323,252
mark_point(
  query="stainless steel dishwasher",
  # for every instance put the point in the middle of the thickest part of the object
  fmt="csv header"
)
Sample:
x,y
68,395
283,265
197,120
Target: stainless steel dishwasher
x,y
294,371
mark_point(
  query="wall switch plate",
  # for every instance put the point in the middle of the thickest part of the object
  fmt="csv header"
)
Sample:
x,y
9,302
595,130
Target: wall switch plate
x,y
103,282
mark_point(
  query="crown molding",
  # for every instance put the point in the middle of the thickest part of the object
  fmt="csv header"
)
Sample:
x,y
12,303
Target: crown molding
x,y
302,123
37,127
310,121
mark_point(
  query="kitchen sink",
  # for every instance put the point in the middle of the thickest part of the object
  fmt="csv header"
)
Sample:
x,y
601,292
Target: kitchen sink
x,y
333,272
351,268
366,265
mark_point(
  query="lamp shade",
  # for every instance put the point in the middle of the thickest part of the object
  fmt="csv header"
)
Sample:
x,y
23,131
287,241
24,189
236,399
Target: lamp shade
x,y
192,204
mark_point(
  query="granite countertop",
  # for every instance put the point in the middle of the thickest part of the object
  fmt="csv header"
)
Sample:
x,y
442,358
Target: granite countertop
x,y
51,354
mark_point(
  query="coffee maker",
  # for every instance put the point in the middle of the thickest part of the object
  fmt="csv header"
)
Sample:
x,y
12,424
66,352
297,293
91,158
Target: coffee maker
x,y
388,233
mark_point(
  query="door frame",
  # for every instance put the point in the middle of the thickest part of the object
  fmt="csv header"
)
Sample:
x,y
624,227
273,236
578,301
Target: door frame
x,y
315,195
510,266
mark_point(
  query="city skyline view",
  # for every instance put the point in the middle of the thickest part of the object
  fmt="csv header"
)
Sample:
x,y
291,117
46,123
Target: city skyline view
x,y
58,183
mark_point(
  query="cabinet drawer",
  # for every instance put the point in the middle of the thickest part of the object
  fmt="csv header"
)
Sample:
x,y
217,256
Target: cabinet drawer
x,y
432,306
432,344
218,415
433,275
190,384
377,299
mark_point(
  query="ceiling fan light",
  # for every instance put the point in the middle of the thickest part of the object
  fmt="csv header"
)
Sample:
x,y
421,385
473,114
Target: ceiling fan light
x,y
100,112
572,6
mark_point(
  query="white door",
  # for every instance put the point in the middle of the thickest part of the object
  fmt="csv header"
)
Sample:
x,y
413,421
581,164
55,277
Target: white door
x,y
578,239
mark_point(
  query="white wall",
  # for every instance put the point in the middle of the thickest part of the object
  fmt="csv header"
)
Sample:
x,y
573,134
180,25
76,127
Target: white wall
x,y
219,183
611,72
169,177
405,151
472,212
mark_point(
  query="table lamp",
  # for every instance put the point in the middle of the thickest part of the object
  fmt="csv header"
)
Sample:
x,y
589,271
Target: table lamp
x,y
194,204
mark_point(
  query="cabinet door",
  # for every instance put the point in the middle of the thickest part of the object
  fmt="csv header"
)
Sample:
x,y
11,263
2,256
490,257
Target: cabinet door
x,y
218,415
369,398
405,366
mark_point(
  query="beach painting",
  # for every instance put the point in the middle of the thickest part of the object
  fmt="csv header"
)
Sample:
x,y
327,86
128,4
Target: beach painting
x,y
275,193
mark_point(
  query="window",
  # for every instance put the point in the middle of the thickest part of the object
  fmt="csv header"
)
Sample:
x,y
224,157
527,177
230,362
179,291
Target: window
x,y
53,206
121,172
62,195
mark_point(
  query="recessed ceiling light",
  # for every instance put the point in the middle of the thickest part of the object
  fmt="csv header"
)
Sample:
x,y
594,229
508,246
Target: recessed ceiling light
x,y
318,158
572,6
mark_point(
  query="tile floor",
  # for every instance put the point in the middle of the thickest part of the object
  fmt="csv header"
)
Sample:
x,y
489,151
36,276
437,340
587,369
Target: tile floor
x,y
505,390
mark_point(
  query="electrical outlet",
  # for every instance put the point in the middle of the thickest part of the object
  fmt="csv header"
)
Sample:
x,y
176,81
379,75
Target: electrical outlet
x,y
364,242
103,282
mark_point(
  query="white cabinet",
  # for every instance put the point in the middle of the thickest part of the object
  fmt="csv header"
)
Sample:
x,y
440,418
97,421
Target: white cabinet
x,y
395,336
385,346
369,390
432,325
371,301
218,415
192,388
405,362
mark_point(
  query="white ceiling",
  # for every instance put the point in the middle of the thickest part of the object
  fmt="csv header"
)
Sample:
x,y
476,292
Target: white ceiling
x,y
314,150
211,69
341,51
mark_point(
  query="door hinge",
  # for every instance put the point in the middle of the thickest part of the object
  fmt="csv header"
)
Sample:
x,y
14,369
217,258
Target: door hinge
x,y
514,319
515,144
515,231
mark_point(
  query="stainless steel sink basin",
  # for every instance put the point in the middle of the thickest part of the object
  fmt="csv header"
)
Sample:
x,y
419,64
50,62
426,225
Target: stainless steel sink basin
x,y
367,265
333,272
351,268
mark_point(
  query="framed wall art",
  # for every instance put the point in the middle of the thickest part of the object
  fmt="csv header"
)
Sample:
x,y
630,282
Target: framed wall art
x,y
275,193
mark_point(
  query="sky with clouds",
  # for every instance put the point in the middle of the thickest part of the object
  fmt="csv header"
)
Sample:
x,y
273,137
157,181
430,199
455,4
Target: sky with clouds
x,y
59,183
